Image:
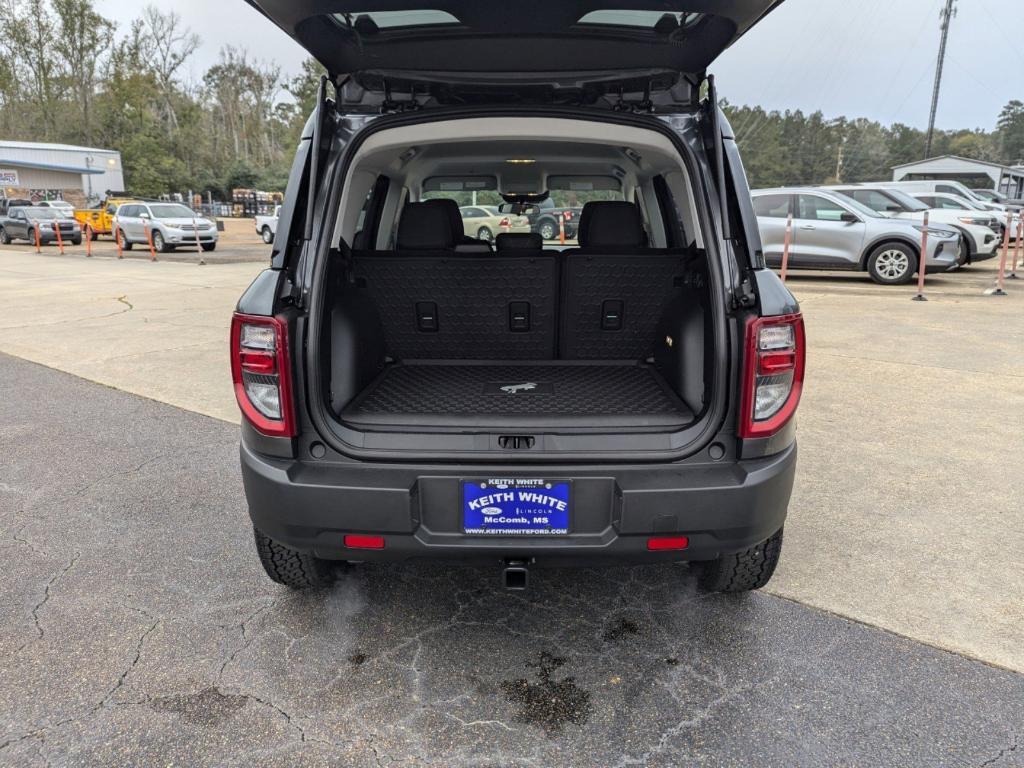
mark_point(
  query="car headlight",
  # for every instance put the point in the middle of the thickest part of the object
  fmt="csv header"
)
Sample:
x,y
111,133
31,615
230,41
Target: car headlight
x,y
976,221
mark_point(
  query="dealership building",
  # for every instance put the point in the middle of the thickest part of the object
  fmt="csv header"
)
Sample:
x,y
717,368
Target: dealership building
x,y
58,171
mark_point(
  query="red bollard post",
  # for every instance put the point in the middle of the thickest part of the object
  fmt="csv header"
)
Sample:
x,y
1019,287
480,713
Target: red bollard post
x,y
561,230
60,240
87,234
998,290
120,245
1016,250
38,249
785,246
922,266
149,239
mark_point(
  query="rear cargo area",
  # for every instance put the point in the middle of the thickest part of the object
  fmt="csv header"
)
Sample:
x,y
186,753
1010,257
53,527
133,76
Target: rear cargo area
x,y
450,325
518,396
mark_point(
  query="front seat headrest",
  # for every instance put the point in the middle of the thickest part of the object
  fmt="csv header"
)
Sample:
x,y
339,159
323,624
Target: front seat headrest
x,y
611,224
425,227
451,210
519,241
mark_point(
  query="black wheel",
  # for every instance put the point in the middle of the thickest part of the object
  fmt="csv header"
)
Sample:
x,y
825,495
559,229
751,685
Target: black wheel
x,y
76,241
548,229
126,244
5,239
208,246
94,235
268,236
892,264
159,244
294,569
966,252
485,234
750,569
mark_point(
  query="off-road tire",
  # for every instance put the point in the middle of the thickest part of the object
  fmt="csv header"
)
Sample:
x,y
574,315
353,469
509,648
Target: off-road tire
x,y
750,569
268,236
882,261
5,239
293,569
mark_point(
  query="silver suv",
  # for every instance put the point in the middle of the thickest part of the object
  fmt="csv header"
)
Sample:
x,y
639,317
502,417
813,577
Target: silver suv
x,y
832,231
169,224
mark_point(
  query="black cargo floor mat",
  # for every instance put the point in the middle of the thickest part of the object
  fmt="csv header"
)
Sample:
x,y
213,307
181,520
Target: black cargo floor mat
x,y
460,395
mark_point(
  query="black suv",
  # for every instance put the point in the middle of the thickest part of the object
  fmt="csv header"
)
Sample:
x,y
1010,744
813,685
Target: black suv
x,y
409,392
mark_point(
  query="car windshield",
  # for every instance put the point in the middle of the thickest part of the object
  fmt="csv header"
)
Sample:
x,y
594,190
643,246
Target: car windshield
x,y
861,208
42,213
907,201
171,212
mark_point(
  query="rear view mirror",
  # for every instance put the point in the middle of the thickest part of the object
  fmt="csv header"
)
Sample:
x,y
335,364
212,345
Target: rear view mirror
x,y
518,209
849,218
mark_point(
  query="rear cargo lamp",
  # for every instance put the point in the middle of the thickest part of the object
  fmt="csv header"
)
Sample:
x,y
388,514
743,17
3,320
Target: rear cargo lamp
x,y
262,374
667,543
773,374
361,541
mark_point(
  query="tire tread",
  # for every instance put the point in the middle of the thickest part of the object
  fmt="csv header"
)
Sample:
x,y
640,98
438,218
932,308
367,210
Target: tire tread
x,y
287,566
743,571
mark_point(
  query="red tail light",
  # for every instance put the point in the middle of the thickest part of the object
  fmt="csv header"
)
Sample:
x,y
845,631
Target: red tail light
x,y
505,222
773,374
261,372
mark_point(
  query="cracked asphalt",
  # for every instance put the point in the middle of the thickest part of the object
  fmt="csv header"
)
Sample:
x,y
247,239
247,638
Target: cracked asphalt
x,y
138,630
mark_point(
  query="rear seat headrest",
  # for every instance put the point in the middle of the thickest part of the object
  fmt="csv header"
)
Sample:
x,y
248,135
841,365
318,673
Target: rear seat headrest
x,y
451,210
519,241
611,224
425,226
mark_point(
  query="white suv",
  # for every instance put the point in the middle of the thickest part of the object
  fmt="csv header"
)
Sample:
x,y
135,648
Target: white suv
x,y
979,230
168,224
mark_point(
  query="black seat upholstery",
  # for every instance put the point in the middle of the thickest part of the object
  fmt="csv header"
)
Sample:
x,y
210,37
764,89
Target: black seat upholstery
x,y
615,289
436,302
425,227
463,243
519,241
609,224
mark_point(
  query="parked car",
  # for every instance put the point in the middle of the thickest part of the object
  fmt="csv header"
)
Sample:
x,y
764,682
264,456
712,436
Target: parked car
x,y
6,203
947,187
20,224
266,226
950,202
168,224
66,209
979,230
99,219
832,231
485,222
991,196
544,219
630,400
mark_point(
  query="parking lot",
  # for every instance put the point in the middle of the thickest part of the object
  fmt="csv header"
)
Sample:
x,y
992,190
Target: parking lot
x,y
143,632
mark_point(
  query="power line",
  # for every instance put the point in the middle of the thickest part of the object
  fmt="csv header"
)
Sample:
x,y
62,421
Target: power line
x,y
947,16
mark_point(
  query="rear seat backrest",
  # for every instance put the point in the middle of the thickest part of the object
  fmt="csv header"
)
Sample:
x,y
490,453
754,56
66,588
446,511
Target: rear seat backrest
x,y
615,289
435,303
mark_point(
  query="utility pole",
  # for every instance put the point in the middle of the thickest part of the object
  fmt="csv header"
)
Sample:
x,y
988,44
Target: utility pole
x,y
948,12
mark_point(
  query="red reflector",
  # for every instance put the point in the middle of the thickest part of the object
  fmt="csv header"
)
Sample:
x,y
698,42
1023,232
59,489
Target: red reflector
x,y
357,541
662,543
776,362
257,362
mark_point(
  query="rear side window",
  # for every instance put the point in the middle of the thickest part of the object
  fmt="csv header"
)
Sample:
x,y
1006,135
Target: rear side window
x,y
772,206
927,200
947,188
818,208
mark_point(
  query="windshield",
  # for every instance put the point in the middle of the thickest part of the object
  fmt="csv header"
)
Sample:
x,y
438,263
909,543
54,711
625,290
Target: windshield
x,y
172,212
849,202
907,201
41,213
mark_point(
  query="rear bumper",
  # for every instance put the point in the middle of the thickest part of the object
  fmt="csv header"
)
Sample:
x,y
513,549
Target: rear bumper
x,y
721,507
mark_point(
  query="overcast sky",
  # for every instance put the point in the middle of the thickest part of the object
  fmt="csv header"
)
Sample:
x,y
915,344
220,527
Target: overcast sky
x,y
858,58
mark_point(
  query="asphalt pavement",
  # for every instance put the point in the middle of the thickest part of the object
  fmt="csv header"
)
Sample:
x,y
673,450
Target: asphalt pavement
x,y
138,630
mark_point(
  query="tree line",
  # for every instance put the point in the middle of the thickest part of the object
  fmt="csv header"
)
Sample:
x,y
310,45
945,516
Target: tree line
x,y
70,75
